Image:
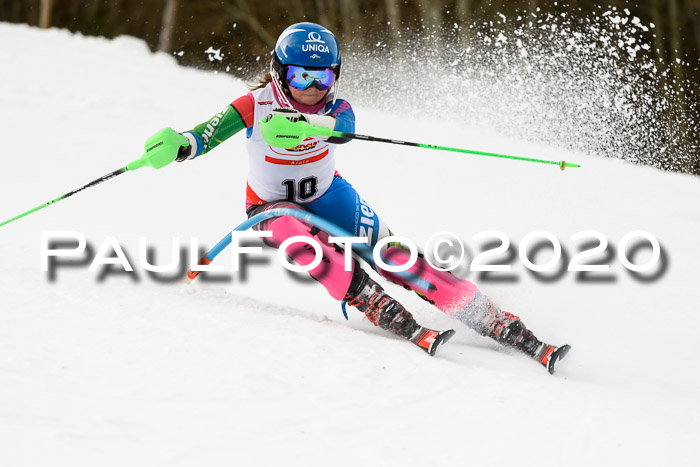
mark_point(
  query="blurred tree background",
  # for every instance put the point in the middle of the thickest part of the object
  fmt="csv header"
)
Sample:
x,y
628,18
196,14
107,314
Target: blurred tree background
x,y
236,36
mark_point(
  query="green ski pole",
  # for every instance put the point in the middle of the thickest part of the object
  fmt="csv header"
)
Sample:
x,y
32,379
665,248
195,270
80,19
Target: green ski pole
x,y
161,149
281,132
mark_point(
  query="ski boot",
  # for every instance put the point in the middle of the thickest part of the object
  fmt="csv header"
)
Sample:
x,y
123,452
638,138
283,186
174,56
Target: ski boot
x,y
384,311
509,330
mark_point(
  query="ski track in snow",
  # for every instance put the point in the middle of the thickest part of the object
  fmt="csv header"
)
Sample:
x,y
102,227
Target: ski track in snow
x,y
264,370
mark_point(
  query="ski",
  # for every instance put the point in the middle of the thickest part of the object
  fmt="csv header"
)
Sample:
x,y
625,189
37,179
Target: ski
x,y
550,356
429,339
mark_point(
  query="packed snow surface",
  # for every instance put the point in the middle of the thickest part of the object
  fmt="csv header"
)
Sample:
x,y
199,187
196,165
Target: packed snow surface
x,y
121,368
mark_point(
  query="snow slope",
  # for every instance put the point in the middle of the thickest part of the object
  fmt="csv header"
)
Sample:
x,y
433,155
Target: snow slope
x,y
263,369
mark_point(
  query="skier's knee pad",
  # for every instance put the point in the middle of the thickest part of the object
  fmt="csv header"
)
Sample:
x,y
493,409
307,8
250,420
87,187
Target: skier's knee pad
x,y
446,291
330,272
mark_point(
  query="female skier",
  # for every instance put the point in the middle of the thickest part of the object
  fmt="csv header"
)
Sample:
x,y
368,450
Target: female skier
x,y
302,87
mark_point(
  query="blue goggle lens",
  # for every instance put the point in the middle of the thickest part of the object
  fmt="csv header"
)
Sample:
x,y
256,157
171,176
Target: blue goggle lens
x,y
301,78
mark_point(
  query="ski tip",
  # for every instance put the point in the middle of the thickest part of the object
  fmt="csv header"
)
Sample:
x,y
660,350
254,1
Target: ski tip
x,y
556,356
447,335
429,339
441,338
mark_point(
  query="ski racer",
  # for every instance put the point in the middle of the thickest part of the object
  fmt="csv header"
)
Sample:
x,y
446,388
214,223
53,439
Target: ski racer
x,y
302,87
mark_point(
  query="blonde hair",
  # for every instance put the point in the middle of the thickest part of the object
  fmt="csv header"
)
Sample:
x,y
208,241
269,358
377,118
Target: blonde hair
x,y
263,81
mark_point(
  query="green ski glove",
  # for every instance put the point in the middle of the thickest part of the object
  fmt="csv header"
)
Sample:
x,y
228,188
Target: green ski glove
x,y
280,132
161,149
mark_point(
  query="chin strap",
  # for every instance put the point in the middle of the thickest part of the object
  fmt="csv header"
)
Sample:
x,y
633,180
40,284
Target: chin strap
x,y
280,94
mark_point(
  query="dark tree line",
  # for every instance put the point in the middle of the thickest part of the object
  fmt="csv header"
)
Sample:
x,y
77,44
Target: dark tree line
x,y
178,24
245,30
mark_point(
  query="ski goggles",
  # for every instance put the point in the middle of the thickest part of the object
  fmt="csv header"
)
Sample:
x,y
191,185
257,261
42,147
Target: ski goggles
x,y
301,78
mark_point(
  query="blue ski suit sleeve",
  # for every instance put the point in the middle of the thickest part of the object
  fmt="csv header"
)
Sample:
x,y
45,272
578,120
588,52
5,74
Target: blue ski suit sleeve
x,y
344,120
